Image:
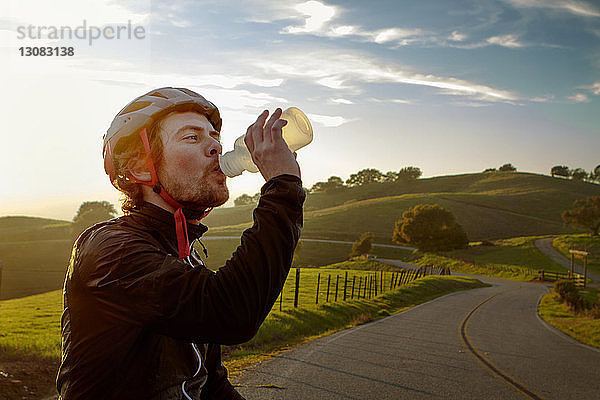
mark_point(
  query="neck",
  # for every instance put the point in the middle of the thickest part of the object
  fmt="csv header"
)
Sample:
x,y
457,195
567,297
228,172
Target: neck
x,y
152,197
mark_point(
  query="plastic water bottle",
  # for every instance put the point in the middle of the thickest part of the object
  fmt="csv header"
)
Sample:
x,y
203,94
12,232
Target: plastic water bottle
x,y
297,134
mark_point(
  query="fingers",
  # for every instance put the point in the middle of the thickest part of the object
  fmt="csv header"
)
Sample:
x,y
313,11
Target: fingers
x,y
269,126
254,133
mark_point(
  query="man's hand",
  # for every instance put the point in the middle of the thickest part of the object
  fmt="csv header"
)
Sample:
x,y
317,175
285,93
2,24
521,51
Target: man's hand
x,y
269,151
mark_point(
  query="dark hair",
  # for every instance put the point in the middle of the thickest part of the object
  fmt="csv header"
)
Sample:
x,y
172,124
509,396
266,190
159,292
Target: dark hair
x,y
128,151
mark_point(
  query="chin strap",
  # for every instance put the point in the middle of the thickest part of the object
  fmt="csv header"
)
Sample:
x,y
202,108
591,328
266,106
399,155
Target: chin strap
x,y
183,243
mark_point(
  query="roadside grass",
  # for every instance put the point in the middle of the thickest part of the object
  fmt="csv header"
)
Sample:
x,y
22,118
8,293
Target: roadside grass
x,y
586,242
515,252
502,271
282,330
582,328
31,325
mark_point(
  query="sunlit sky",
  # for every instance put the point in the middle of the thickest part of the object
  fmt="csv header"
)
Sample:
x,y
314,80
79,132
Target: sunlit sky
x,y
448,86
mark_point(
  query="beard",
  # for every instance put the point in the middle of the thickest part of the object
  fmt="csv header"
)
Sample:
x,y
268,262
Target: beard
x,y
196,192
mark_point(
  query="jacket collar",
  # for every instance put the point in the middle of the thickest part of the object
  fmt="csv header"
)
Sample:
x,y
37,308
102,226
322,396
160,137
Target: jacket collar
x,y
163,220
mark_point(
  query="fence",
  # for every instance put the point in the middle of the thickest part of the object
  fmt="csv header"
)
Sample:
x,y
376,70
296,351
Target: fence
x,y
332,287
552,276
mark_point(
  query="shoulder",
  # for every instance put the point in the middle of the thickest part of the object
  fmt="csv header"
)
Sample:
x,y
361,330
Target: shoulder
x,y
114,242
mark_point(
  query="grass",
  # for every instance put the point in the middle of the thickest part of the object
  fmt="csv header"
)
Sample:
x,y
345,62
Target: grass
x,y
502,271
31,267
557,314
31,324
580,242
515,252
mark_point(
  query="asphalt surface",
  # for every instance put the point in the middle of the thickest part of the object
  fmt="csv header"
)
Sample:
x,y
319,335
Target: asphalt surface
x,y
484,343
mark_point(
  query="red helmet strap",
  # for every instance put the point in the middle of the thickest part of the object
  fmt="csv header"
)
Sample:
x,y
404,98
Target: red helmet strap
x,y
183,243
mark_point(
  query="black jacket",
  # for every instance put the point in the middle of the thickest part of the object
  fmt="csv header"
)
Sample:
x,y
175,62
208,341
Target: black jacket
x,y
132,309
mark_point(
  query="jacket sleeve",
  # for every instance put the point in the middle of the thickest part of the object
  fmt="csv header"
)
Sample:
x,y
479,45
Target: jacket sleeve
x,y
217,386
135,282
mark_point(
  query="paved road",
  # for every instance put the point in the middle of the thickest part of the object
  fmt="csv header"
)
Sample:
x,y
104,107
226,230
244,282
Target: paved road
x,y
483,343
545,246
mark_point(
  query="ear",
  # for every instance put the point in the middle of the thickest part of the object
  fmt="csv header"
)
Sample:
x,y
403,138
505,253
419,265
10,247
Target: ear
x,y
139,170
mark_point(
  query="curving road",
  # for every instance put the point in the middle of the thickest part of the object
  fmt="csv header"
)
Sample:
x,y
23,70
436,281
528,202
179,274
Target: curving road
x,y
545,247
483,343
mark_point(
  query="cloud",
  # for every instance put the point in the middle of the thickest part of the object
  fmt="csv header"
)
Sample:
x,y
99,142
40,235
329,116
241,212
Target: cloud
x,y
318,20
341,101
509,40
316,15
594,88
399,101
328,121
337,71
456,36
576,7
579,98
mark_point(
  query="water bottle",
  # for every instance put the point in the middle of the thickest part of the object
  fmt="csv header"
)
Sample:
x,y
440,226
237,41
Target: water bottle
x,y
297,134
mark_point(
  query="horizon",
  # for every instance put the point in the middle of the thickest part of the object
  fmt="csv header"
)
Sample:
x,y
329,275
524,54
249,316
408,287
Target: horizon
x,y
119,212
448,88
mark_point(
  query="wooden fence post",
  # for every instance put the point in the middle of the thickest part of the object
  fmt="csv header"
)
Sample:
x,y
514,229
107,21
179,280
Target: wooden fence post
x,y
337,281
381,282
345,284
281,299
297,287
353,281
318,282
375,276
328,283
584,270
359,287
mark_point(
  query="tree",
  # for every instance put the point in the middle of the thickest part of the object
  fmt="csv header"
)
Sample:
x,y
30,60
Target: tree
x,y
243,200
90,213
579,174
507,168
560,170
333,183
409,173
595,174
430,227
585,214
363,245
365,176
246,200
490,170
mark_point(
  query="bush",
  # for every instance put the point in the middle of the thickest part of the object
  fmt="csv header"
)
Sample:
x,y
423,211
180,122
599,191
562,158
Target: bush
x,y
430,227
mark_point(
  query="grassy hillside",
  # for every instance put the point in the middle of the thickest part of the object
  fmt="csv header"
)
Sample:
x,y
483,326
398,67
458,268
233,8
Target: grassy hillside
x,y
489,206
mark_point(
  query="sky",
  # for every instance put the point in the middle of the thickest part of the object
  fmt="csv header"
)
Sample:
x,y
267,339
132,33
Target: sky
x,y
449,87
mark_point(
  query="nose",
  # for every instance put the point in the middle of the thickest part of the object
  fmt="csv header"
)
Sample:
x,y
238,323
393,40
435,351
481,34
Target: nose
x,y
215,149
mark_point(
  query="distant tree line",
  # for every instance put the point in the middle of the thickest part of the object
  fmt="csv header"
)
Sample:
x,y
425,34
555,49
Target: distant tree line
x,y
335,183
577,174
505,168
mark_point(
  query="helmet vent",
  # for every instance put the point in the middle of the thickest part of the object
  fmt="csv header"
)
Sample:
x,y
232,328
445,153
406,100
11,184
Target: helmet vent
x,y
138,105
158,94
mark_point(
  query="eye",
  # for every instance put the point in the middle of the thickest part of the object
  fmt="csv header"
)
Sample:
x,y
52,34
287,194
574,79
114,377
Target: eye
x,y
191,136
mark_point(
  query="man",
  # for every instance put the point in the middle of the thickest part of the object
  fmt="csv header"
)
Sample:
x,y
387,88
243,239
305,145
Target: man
x,y
143,317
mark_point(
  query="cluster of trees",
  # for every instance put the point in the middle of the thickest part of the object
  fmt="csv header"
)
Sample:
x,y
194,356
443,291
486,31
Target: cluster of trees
x,y
428,227
246,200
367,176
334,183
585,214
577,174
505,168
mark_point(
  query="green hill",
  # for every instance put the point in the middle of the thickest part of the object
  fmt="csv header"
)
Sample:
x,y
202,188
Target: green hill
x,y
496,205
489,206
